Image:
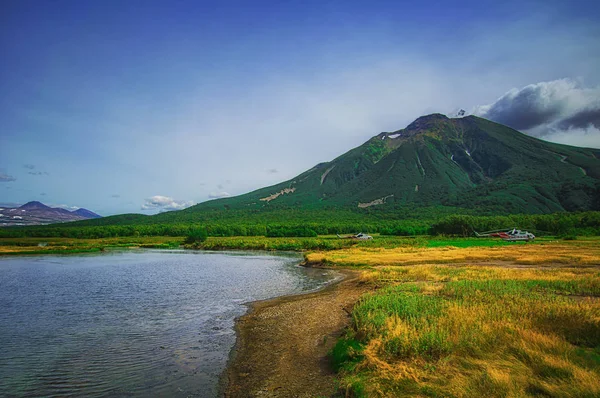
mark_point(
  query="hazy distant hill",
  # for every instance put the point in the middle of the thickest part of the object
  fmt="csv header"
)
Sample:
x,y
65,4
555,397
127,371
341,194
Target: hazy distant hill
x,y
436,164
36,213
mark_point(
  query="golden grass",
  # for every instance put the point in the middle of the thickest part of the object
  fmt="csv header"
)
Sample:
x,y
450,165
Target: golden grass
x,y
580,252
481,329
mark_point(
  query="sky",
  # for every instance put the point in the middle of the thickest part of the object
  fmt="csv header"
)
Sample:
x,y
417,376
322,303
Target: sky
x,y
146,106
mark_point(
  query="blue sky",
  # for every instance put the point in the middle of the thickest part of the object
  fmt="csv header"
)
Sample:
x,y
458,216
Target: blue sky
x,y
141,106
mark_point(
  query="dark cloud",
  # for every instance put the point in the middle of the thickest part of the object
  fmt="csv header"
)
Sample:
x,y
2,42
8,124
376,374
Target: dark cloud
x,y
272,171
43,194
581,119
6,178
559,110
115,196
531,106
29,166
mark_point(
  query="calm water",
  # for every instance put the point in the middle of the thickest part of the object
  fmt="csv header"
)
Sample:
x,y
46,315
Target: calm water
x,y
142,323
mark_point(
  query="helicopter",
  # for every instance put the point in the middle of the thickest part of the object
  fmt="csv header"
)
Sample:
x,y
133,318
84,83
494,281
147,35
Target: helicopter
x,y
511,235
359,236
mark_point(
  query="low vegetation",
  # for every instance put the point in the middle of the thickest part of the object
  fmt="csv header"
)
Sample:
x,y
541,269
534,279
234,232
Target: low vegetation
x,y
196,236
542,251
12,246
479,328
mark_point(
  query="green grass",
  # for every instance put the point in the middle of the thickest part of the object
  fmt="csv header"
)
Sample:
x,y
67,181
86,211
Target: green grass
x,y
16,246
488,331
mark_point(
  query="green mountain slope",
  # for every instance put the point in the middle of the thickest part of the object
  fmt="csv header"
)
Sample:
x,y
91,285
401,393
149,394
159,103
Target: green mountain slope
x,y
466,162
434,166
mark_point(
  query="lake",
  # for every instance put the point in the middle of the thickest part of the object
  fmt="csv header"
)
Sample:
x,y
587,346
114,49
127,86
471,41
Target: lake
x,y
132,323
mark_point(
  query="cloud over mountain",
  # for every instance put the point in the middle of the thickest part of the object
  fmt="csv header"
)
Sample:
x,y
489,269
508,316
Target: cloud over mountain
x,y
66,207
218,195
165,203
560,110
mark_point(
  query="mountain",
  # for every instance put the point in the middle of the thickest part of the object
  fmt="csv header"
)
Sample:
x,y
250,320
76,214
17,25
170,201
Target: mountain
x,y
86,213
435,166
467,162
34,205
37,213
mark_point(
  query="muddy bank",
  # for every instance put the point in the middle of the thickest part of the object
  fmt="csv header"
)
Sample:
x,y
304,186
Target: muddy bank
x,y
282,344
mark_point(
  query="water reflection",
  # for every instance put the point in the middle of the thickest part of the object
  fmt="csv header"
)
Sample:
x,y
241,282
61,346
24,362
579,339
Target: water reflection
x,y
131,323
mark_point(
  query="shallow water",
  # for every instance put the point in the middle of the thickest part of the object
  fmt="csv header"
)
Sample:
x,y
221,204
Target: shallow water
x,y
131,323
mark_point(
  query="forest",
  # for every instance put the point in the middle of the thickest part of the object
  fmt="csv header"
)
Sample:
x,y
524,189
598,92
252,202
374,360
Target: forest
x,y
556,224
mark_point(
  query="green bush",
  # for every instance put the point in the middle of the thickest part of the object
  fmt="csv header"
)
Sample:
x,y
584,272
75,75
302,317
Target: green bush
x,y
196,235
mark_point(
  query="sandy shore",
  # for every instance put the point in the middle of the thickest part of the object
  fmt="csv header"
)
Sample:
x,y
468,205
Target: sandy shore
x,y
282,344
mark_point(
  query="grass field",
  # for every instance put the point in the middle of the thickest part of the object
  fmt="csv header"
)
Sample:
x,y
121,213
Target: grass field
x,y
70,245
526,326
12,246
318,244
547,251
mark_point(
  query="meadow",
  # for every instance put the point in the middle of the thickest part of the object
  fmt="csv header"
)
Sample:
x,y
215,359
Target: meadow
x,y
455,250
14,246
321,243
71,245
463,325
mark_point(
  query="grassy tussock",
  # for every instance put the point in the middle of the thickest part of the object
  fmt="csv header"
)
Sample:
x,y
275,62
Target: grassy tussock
x,y
439,330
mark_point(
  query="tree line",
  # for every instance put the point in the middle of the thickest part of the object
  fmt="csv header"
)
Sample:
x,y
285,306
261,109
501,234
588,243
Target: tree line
x,y
581,223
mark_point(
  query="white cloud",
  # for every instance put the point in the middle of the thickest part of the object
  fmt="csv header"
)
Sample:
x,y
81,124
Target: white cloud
x,y
165,203
66,207
218,195
6,178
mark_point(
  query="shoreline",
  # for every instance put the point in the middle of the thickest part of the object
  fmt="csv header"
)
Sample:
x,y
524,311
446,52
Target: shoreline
x,y
282,343
108,249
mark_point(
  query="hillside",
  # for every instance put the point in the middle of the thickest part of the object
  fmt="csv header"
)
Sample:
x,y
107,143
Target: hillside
x,y
465,162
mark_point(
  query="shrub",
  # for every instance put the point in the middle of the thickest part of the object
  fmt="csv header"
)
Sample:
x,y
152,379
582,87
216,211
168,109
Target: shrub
x,y
196,235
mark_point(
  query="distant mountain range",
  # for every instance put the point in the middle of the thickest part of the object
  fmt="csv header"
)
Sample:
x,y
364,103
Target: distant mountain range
x,y
37,213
